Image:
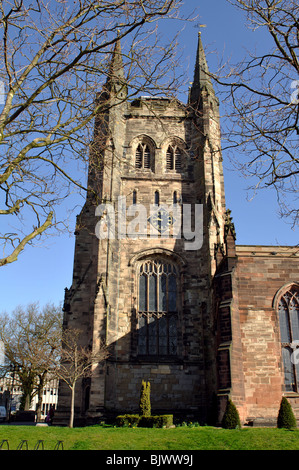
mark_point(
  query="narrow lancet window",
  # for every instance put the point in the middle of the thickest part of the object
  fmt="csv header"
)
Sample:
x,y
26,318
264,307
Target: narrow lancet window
x,y
288,311
173,158
143,157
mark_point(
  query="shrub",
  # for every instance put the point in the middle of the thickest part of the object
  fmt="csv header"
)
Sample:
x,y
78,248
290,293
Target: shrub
x,y
145,399
163,420
158,421
127,420
146,422
231,419
286,418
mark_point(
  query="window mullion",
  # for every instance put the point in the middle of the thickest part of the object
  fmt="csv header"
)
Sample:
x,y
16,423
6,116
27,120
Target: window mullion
x,y
158,289
167,294
147,313
290,323
158,310
167,315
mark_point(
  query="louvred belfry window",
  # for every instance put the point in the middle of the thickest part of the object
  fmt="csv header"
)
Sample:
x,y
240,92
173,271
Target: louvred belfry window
x,y
169,159
157,313
177,159
173,158
143,157
288,310
138,156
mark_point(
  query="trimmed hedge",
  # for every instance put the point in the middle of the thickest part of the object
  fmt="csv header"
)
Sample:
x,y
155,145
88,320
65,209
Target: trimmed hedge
x,y
127,420
158,421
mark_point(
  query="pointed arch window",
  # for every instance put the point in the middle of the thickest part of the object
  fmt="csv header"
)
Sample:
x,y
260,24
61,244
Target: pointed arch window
x,y
143,156
173,158
288,311
157,308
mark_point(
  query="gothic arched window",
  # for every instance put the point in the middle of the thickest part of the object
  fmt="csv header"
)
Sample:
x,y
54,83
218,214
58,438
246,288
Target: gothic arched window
x,y
173,158
143,156
157,308
288,310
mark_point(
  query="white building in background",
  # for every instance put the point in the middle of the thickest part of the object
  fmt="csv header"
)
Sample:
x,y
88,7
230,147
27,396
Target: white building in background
x,y
11,391
2,357
50,397
12,385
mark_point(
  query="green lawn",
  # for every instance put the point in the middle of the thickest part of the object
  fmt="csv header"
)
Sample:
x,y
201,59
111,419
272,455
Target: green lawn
x,y
181,438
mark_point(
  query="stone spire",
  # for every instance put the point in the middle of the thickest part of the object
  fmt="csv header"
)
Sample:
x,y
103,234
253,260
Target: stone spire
x,y
201,74
116,81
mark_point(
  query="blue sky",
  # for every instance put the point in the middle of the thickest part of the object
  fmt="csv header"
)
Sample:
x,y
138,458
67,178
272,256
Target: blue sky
x,y
42,272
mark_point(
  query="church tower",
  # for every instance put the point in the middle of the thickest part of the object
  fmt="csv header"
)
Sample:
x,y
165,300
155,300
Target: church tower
x,y
145,251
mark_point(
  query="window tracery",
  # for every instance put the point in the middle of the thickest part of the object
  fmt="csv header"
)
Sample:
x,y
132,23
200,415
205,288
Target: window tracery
x,y
288,311
157,308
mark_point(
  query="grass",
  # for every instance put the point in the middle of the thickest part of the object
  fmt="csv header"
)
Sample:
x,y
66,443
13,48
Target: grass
x,y
181,438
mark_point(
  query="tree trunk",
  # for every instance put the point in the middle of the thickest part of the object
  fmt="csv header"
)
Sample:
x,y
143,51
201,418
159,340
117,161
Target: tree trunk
x,y
39,405
71,423
40,390
27,402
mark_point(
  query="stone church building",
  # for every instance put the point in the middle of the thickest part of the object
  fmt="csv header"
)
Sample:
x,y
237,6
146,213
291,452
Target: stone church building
x,y
200,317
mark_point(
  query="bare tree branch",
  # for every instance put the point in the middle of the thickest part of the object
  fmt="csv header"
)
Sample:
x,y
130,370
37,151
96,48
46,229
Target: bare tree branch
x,y
77,362
55,60
262,129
